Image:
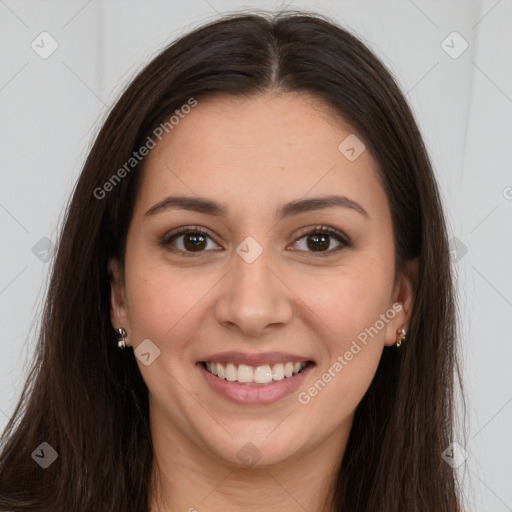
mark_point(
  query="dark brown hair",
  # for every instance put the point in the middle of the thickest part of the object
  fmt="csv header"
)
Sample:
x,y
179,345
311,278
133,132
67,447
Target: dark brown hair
x,y
88,400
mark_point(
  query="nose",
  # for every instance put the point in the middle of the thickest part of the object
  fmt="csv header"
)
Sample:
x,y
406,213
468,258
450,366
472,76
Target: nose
x,y
254,297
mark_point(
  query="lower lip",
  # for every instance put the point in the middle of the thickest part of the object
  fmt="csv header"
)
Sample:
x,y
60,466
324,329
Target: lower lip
x,y
245,394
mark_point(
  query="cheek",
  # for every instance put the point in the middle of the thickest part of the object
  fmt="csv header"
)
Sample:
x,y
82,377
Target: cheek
x,y
164,306
161,299
349,299
352,333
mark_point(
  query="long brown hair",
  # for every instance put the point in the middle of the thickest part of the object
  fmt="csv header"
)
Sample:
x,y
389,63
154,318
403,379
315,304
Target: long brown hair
x,y
87,399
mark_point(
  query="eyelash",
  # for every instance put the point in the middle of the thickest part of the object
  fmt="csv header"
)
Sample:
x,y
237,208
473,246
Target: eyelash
x,y
317,230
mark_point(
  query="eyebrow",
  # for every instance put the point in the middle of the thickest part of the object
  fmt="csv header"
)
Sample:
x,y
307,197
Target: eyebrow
x,y
213,208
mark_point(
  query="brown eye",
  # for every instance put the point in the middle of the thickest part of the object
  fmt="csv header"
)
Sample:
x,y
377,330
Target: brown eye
x,y
318,242
320,239
188,241
194,241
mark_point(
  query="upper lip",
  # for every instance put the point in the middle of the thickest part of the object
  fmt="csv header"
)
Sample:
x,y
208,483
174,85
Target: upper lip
x,y
254,359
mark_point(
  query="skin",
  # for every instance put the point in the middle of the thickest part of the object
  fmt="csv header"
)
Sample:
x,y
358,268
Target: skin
x,y
254,155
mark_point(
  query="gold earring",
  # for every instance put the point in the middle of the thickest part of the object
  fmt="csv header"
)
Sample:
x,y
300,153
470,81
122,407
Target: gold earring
x,y
401,337
122,334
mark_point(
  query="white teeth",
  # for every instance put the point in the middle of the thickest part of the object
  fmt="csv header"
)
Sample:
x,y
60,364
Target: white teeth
x,y
231,373
278,372
212,368
246,374
263,374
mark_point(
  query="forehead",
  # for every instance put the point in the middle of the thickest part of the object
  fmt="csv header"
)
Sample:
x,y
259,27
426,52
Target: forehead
x,y
226,125
254,149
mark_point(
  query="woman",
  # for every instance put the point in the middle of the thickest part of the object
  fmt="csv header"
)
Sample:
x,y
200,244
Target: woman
x,y
251,306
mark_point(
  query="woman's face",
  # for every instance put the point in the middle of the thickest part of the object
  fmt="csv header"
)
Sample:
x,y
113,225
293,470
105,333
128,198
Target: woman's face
x,y
263,285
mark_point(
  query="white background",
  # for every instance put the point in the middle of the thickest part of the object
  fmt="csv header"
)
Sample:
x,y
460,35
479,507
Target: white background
x,y
51,108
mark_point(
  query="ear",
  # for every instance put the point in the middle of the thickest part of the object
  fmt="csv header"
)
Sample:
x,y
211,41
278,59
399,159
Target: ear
x,y
118,307
403,300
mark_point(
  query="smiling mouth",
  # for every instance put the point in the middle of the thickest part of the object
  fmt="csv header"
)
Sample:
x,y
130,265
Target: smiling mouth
x,y
261,375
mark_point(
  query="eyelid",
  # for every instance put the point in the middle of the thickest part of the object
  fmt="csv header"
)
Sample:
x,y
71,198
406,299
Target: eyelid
x,y
166,239
323,228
